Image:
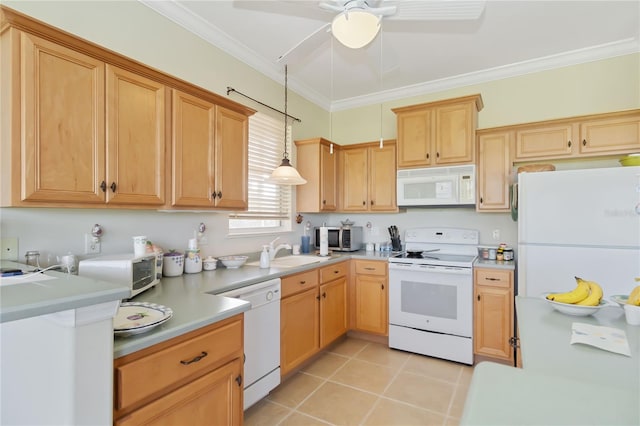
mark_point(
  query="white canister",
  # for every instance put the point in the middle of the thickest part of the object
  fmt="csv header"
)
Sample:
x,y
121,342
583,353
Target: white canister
x,y
324,241
173,264
192,261
210,263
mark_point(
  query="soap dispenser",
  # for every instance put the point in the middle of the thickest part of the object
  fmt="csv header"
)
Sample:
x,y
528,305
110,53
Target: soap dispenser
x,y
264,257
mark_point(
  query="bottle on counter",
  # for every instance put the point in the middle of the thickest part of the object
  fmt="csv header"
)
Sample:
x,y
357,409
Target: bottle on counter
x,y
264,257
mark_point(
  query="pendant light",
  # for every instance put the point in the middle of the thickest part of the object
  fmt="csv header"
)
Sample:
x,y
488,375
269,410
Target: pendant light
x,y
286,174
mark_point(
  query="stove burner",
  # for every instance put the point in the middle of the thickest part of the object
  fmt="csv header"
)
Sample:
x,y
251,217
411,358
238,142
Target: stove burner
x,y
414,254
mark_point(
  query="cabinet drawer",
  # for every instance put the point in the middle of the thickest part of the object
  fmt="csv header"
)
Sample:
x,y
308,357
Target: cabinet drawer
x,y
493,277
331,272
146,376
371,267
293,284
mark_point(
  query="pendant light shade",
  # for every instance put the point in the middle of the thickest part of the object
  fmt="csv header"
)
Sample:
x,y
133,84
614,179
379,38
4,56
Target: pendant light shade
x,y
285,173
355,28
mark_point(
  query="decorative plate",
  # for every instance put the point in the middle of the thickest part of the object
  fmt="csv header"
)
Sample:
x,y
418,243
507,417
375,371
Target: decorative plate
x,y
139,317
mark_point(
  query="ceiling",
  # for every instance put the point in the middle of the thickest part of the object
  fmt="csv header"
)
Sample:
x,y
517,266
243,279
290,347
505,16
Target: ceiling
x,y
409,58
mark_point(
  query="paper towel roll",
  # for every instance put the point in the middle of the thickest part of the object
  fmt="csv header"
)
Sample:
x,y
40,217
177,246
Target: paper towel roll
x,y
324,241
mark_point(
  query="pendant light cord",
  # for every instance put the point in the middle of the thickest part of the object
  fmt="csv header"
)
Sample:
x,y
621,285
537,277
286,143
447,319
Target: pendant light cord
x,y
286,155
380,66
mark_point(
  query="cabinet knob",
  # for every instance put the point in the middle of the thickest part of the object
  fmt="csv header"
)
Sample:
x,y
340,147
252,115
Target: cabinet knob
x,y
364,203
478,297
303,282
220,194
427,155
103,186
381,286
239,380
214,195
584,142
324,202
113,187
324,295
437,155
481,200
569,144
371,202
318,297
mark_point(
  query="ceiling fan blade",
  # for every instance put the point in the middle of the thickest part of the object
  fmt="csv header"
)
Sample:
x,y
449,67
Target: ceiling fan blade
x,y
436,10
311,43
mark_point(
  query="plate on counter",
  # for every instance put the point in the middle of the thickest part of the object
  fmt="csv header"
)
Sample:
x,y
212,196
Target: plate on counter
x,y
139,317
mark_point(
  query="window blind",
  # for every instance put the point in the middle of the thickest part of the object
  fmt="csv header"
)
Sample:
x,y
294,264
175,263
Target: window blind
x,y
266,146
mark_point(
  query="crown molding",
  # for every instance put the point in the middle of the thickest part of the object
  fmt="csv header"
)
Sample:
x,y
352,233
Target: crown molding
x,y
177,13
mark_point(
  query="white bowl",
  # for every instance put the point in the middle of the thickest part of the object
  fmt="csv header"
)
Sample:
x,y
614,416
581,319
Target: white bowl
x,y
232,262
632,314
620,299
575,310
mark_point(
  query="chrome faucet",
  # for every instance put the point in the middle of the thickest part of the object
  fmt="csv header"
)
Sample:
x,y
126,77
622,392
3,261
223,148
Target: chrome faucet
x,y
274,250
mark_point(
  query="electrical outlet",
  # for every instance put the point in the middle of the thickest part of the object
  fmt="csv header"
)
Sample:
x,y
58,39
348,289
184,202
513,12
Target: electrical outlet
x,y
9,249
496,234
91,244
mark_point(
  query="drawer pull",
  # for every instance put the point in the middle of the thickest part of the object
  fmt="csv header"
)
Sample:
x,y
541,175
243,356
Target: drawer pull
x,y
492,279
337,271
196,359
370,268
303,282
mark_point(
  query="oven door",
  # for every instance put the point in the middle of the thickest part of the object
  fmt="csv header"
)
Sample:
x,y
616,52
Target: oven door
x,y
431,298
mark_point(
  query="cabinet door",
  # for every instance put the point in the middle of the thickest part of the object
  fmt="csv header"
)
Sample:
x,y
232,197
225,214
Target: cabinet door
x,y
493,322
328,172
213,399
231,155
610,135
382,178
494,170
299,330
455,134
62,113
371,304
193,151
546,141
415,136
354,179
135,139
333,310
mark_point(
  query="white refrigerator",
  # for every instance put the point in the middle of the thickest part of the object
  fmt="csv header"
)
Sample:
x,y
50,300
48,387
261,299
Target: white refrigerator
x,y
583,223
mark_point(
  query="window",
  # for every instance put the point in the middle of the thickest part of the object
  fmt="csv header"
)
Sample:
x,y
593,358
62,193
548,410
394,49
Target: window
x,y
269,205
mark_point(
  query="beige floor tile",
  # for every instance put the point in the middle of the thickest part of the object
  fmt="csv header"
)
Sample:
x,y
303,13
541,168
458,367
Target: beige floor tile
x,y
422,391
326,365
299,419
292,392
465,376
348,347
338,404
265,413
380,354
451,421
388,412
364,375
433,367
459,398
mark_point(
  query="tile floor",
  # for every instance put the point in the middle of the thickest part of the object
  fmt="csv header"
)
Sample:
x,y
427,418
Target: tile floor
x,y
357,382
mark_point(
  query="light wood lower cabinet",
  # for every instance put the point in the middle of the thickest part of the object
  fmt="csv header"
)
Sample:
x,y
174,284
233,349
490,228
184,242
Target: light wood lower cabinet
x,y
313,313
369,293
493,313
193,379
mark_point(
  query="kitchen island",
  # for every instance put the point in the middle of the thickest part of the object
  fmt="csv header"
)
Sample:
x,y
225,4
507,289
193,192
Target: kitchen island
x,y
559,383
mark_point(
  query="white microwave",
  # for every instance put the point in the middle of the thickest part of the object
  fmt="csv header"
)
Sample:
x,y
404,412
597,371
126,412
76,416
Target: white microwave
x,y
437,186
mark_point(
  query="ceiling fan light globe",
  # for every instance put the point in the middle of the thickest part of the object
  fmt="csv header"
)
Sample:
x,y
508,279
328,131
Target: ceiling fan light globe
x,y
286,174
355,28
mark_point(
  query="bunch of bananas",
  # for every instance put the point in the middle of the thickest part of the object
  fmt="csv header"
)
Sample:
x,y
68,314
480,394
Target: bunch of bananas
x,y
586,293
634,297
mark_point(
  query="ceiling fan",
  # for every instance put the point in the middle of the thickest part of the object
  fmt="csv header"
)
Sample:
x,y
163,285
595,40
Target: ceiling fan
x,y
357,22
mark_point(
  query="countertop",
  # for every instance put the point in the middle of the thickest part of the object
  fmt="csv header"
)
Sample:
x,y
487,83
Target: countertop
x,y
40,297
496,264
194,301
559,383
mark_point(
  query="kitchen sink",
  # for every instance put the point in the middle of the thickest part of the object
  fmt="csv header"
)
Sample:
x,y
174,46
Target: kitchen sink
x,y
292,261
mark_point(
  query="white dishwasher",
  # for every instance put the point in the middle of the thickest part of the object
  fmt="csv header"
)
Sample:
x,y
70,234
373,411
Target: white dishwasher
x,y
261,338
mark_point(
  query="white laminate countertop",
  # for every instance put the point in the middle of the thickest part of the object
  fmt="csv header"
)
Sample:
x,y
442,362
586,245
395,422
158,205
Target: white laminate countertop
x,y
559,383
495,264
65,292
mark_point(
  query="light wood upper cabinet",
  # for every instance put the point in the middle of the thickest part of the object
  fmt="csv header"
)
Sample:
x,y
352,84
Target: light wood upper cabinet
x,y
438,133
494,171
59,101
585,136
135,138
83,127
231,154
316,161
209,150
368,177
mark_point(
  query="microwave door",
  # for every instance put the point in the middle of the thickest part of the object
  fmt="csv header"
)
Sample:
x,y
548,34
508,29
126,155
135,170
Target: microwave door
x,y
420,191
